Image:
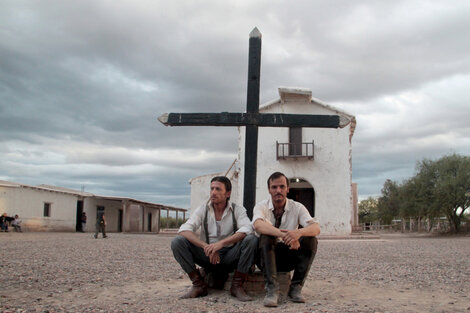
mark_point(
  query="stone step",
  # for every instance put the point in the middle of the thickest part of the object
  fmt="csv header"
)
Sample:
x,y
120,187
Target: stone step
x,y
362,236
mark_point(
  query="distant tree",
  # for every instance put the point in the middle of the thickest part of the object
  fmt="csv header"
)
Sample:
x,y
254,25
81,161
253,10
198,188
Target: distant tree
x,y
425,199
368,211
171,222
389,203
445,187
439,188
409,199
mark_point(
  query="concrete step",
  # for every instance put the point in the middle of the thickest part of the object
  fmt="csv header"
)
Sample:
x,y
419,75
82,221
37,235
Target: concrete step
x,y
363,236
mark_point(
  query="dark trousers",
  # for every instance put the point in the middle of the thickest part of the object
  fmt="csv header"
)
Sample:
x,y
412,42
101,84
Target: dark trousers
x,y
240,256
277,257
100,228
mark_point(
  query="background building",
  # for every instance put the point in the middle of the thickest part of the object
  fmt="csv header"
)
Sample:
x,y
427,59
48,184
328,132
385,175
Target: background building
x,y
51,208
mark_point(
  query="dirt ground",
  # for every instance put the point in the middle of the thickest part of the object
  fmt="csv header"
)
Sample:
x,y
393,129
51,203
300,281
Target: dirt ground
x,y
72,272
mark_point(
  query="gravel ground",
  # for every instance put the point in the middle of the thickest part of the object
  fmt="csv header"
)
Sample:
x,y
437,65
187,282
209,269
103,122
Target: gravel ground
x,y
72,272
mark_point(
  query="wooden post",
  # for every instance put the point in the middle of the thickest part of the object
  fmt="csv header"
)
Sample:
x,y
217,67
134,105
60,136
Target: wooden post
x,y
251,132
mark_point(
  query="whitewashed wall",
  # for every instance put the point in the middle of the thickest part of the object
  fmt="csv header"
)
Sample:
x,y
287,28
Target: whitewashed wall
x,y
29,205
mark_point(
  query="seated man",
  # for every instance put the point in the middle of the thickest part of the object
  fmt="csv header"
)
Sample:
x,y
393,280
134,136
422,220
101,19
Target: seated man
x,y
4,220
283,245
226,242
17,223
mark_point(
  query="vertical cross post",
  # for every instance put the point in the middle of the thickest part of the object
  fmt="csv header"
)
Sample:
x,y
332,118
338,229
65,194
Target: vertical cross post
x,y
251,131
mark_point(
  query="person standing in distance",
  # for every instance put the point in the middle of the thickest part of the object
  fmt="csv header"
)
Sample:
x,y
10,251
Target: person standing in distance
x,y
101,226
83,219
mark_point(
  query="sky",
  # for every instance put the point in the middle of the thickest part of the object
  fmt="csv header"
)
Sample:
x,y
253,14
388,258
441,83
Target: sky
x,y
83,82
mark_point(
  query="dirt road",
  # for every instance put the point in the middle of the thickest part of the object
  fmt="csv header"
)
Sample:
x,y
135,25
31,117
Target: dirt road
x,y
72,272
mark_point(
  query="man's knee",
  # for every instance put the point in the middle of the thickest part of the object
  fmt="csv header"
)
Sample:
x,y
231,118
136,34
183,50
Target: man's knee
x,y
250,242
266,241
178,243
309,243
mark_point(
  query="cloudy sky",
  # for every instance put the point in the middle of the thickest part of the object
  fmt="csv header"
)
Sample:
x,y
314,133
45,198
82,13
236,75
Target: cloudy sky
x,y
82,83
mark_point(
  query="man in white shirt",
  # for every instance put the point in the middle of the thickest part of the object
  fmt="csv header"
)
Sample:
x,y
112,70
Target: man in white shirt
x,y
283,245
226,242
17,223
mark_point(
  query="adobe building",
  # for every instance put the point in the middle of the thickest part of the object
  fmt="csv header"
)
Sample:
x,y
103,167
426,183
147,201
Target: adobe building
x,y
52,208
317,161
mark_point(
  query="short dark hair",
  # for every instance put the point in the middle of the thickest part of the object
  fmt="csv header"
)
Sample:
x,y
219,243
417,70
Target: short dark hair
x,y
224,180
276,175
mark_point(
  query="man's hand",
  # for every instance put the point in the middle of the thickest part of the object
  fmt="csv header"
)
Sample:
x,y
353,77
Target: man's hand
x,y
212,252
212,248
214,258
295,245
290,236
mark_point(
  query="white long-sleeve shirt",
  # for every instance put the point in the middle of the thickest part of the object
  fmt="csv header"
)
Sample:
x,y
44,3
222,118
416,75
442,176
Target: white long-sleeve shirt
x,y
218,230
295,214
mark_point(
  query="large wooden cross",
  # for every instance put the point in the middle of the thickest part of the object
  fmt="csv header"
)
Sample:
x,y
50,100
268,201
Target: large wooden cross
x,y
252,119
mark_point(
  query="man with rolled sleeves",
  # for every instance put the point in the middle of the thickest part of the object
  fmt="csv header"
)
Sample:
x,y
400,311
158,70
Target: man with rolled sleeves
x,y
226,242
283,246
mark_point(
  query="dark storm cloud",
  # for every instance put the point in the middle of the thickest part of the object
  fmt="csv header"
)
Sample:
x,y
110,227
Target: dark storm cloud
x,y
82,83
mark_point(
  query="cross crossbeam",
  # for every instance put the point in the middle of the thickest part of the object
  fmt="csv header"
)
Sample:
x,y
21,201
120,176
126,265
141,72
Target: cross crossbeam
x,y
255,119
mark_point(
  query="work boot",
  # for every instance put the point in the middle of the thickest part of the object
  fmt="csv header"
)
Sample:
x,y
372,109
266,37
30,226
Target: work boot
x,y
295,293
303,262
268,262
199,287
272,296
237,287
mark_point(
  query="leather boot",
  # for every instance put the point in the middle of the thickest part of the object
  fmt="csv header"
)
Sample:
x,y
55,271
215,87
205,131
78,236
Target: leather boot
x,y
295,293
304,260
272,296
268,259
199,287
298,279
237,286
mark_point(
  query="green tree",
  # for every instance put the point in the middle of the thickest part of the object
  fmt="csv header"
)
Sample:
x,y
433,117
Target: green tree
x,y
368,211
409,199
446,184
171,222
389,203
439,188
425,197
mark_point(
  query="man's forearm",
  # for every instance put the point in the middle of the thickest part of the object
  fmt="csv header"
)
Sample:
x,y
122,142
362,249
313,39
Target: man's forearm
x,y
193,238
233,239
311,230
264,228
211,249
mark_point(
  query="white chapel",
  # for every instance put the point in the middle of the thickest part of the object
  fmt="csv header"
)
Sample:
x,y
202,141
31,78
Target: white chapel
x,y
317,161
